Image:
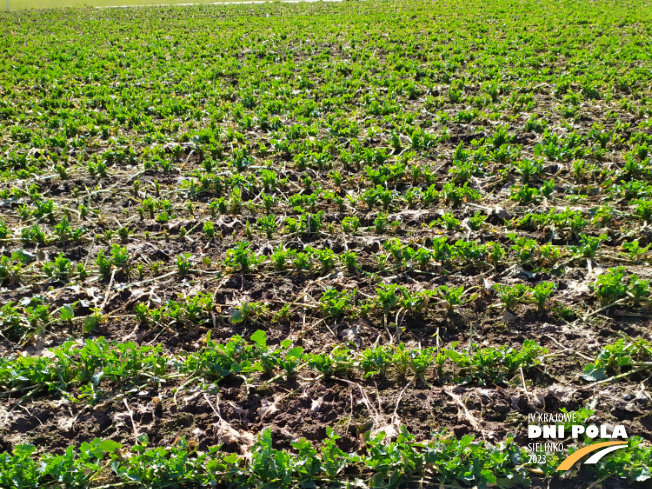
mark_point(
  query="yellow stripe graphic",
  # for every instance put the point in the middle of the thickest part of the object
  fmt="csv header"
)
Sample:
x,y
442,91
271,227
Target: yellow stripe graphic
x,y
571,459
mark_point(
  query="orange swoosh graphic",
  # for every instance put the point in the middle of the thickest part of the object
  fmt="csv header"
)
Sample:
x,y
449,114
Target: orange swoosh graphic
x,y
571,459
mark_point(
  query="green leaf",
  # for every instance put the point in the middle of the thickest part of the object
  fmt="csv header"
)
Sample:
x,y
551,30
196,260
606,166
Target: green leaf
x,y
260,338
642,475
109,445
236,316
66,313
23,256
592,374
505,483
453,355
98,448
231,458
489,476
90,323
24,450
294,352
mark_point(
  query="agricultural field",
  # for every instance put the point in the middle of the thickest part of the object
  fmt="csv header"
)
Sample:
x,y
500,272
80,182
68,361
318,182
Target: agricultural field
x,y
51,4
324,244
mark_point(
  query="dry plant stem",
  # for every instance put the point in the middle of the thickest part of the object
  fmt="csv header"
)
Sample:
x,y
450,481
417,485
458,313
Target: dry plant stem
x,y
597,483
389,335
622,376
467,414
189,381
117,484
215,410
585,357
400,396
136,284
520,370
108,290
593,313
131,416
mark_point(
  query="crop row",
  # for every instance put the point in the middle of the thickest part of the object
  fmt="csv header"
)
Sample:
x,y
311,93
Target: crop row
x,y
626,198
85,366
384,463
438,253
33,315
